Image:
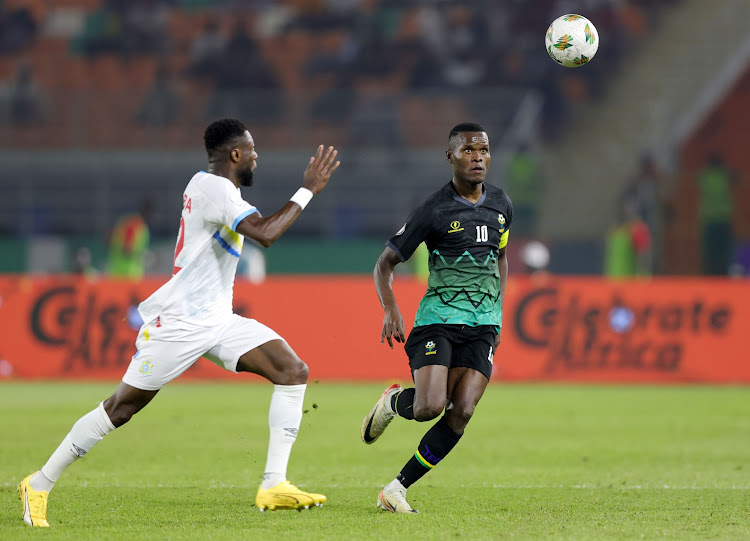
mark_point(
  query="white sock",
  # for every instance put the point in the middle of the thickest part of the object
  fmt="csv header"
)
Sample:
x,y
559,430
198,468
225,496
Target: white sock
x,y
87,432
284,418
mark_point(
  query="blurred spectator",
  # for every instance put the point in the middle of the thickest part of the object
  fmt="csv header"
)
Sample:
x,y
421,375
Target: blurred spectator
x,y
161,106
103,30
316,16
145,26
377,68
422,45
17,29
336,104
424,66
628,245
432,27
23,99
466,47
715,208
206,50
644,190
246,85
82,263
523,182
129,242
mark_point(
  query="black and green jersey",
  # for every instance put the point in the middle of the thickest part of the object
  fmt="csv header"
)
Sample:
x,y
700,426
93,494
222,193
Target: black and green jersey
x,y
463,240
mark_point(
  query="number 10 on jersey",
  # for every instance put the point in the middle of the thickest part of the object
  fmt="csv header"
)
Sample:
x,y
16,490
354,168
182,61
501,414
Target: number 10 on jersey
x,y
482,234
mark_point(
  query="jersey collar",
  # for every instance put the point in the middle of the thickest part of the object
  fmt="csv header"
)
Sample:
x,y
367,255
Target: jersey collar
x,y
466,202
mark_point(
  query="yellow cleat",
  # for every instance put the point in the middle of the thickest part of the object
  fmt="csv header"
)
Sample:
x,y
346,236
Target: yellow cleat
x,y
34,504
287,496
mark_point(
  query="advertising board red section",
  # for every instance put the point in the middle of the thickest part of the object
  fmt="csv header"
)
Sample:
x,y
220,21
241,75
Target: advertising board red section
x,y
555,329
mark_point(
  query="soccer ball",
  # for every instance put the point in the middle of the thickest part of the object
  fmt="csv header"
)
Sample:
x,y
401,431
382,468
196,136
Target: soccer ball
x,y
572,40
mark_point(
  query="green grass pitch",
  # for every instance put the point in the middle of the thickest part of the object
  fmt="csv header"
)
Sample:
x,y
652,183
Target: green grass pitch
x,y
537,462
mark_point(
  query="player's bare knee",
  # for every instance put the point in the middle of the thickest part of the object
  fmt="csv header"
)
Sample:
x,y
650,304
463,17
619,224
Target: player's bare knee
x,y
302,373
295,374
427,412
458,416
119,413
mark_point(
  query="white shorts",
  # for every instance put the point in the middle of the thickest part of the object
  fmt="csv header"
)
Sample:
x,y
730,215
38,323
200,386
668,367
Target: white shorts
x,y
163,353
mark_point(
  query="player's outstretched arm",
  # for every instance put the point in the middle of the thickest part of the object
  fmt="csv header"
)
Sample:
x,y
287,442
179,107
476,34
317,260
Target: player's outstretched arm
x,y
393,321
266,230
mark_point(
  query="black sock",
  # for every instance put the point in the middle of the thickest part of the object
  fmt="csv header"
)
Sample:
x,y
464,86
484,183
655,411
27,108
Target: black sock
x,y
433,448
403,403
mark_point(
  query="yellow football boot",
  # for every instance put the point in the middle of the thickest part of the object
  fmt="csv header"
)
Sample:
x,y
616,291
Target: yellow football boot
x,y
34,504
287,496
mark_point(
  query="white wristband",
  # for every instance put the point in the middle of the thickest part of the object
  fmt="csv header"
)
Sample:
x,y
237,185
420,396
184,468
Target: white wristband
x,y
302,197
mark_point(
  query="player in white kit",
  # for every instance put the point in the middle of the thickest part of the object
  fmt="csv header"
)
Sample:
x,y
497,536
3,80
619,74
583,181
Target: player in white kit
x,y
191,316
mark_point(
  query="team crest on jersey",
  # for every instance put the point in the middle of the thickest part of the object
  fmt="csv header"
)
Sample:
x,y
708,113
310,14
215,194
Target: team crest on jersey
x,y
146,367
501,219
431,348
455,227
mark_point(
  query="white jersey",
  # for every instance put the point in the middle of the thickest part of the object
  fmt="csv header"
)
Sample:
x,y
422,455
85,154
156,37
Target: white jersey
x,y
205,257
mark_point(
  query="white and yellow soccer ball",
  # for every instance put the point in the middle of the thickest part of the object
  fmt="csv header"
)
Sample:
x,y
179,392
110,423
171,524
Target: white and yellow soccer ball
x,y
572,40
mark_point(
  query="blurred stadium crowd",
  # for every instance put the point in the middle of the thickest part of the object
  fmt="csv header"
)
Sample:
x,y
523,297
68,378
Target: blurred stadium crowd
x,y
98,85
356,69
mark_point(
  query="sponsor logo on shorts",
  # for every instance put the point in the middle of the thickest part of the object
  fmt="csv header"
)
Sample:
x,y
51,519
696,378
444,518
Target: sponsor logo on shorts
x,y
431,348
146,367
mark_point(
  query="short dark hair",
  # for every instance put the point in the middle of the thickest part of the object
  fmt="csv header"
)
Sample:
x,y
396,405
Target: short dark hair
x,y
461,128
222,132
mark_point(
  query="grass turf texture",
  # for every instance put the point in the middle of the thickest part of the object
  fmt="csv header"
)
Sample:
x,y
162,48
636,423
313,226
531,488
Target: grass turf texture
x,y
563,462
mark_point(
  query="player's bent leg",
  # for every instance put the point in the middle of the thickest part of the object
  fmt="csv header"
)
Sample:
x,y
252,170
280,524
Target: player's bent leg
x,y
83,436
431,385
277,362
125,402
429,401
424,402
466,387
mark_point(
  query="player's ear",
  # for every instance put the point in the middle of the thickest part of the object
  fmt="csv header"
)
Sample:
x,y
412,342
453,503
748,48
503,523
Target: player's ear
x,y
234,155
449,155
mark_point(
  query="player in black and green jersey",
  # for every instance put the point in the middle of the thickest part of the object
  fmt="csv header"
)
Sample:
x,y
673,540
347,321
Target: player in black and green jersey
x,y
457,327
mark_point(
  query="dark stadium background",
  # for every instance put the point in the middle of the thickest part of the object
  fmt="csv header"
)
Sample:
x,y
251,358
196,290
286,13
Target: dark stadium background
x,y
103,104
